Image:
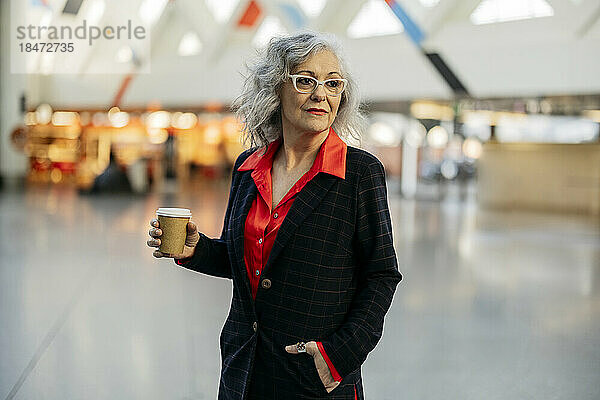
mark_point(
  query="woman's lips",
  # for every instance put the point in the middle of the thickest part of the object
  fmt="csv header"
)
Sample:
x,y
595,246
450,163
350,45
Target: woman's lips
x,y
316,112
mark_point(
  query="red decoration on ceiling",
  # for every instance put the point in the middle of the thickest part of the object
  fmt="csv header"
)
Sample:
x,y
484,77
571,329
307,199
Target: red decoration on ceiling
x,y
250,15
122,89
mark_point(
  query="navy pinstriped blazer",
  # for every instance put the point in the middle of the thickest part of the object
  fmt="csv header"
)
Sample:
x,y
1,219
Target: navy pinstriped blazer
x,y
333,273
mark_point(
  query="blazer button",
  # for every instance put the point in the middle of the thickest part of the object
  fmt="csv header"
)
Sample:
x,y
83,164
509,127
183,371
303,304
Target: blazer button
x,y
266,283
255,326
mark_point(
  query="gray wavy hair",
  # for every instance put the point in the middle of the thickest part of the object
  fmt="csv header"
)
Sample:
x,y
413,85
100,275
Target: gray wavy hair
x,y
259,106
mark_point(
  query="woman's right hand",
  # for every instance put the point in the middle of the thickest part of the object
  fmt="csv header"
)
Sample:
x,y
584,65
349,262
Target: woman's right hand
x,y
191,240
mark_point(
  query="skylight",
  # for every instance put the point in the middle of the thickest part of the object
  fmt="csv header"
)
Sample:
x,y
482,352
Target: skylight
x,y
312,8
270,27
151,10
190,44
429,3
221,9
95,12
492,11
375,18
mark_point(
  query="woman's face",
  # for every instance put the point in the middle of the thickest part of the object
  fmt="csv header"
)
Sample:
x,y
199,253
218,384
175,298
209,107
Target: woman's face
x,y
311,112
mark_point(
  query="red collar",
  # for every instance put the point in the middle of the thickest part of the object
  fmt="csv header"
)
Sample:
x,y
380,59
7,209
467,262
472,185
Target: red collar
x,y
330,159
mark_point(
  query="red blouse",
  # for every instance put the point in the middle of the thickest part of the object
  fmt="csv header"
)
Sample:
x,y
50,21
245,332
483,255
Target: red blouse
x,y
263,222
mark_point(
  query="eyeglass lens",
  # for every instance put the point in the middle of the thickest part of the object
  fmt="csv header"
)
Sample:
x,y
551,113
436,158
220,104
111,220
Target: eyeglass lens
x,y
308,85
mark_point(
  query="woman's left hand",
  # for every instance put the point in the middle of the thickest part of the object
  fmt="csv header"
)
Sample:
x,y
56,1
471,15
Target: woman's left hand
x,y
320,364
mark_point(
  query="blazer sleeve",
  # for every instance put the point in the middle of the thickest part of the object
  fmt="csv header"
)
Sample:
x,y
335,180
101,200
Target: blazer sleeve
x,y
347,348
210,255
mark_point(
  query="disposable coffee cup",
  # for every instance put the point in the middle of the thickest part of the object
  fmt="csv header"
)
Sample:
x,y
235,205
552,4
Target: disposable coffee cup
x,y
173,223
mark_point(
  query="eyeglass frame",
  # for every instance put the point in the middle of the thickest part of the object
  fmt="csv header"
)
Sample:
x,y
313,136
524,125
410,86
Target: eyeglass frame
x,y
296,76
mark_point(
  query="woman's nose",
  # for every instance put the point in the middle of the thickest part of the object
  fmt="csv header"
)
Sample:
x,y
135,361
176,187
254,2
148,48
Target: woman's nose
x,y
319,93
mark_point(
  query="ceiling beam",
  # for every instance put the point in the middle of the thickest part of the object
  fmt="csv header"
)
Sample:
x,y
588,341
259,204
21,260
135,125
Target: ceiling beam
x,y
443,12
200,18
155,30
337,15
590,19
227,32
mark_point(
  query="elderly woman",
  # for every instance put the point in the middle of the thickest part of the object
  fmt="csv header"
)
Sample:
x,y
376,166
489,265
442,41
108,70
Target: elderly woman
x,y
307,236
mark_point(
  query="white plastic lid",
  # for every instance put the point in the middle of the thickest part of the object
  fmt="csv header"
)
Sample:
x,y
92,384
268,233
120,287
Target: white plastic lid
x,y
174,212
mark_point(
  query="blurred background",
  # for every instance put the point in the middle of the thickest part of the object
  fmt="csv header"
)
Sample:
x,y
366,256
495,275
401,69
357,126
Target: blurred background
x,y
485,113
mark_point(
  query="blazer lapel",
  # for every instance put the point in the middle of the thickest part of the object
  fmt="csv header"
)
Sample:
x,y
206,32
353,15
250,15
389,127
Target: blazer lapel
x,y
247,193
305,202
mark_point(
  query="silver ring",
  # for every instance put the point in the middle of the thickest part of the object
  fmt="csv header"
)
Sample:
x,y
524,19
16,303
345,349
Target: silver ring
x,y
301,347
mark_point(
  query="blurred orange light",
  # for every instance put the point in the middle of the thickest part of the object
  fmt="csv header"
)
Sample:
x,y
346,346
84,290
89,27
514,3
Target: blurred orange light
x,y
43,114
113,111
212,134
158,135
437,137
30,118
56,175
158,119
231,127
118,119
472,148
184,120
64,118
426,110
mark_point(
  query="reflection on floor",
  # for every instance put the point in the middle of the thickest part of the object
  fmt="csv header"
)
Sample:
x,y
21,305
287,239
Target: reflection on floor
x,y
493,305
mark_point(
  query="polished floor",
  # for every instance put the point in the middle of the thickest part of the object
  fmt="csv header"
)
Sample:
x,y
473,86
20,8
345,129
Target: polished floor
x,y
493,305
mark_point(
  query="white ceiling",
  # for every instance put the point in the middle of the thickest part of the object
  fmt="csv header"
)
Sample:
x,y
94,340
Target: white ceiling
x,y
544,56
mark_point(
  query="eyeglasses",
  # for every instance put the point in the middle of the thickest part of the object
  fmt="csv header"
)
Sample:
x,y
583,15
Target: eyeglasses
x,y
308,84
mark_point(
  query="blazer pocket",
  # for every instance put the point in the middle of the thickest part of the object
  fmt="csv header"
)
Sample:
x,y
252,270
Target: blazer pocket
x,y
310,372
